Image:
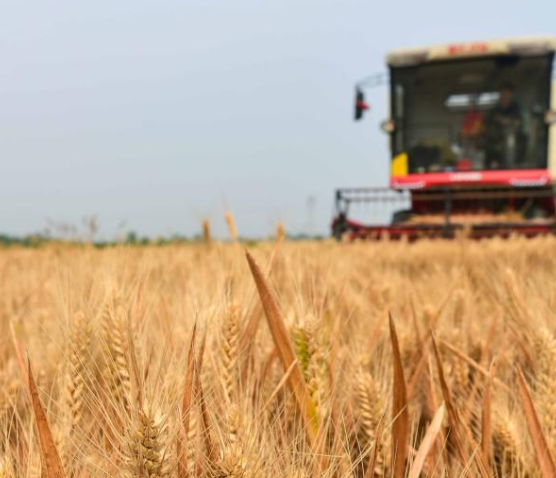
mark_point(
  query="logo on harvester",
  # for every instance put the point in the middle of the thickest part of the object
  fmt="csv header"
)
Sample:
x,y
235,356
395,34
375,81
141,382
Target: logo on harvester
x,y
459,177
468,49
528,182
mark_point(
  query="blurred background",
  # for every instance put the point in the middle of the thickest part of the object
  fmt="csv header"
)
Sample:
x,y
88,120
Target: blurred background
x,y
149,116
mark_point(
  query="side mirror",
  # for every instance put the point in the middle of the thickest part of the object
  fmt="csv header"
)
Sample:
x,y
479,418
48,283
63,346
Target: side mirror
x,y
360,105
387,126
550,117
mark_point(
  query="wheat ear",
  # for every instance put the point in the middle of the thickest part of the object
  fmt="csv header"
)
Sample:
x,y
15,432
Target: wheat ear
x,y
148,445
79,341
230,352
506,446
115,341
231,225
371,409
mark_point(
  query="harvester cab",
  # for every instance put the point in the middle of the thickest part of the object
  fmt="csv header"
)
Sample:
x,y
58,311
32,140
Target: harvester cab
x,y
472,133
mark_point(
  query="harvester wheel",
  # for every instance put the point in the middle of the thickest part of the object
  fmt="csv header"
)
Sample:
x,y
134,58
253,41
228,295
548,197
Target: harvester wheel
x,y
339,226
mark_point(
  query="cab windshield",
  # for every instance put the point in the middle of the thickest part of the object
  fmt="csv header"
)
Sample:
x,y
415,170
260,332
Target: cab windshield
x,y
472,115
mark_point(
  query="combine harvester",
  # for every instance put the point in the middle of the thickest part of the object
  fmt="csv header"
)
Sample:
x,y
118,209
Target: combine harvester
x,y
473,143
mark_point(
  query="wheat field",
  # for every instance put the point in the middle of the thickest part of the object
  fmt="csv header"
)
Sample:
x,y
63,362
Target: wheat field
x,y
310,359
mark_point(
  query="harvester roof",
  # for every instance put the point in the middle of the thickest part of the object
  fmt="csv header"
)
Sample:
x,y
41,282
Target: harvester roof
x,y
530,46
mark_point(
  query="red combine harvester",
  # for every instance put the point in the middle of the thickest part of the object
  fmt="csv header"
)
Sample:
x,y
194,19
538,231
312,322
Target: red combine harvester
x,y
473,140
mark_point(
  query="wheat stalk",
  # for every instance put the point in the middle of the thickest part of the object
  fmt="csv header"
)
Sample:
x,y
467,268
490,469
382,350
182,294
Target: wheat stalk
x,y
280,232
205,225
6,468
545,382
8,396
231,225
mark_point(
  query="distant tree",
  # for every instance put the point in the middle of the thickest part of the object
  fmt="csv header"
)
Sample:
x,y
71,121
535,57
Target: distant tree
x,y
131,237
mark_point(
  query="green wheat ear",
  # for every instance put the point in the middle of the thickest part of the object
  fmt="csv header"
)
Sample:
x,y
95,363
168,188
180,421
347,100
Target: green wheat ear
x,y
301,345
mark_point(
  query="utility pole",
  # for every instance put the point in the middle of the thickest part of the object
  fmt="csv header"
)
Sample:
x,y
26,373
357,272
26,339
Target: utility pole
x,y
310,225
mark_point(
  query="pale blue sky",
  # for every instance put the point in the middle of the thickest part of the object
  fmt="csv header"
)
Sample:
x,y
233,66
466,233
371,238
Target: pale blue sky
x,y
160,113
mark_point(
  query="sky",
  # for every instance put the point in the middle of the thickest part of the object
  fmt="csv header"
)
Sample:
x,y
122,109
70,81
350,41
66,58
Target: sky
x,y
153,115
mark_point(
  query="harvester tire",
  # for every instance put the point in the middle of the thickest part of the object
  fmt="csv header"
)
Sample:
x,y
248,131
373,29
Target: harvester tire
x,y
339,226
